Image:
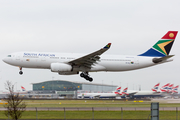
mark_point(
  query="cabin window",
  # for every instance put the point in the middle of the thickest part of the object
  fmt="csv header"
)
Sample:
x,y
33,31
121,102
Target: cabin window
x,y
9,56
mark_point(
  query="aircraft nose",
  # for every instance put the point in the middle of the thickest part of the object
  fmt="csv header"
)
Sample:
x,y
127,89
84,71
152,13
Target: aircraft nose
x,y
4,59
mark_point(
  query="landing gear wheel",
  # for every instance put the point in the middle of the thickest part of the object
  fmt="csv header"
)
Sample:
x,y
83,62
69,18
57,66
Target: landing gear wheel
x,y
20,72
82,75
90,79
86,76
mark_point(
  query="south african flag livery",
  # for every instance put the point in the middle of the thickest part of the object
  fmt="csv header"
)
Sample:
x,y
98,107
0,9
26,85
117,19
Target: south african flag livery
x,y
162,47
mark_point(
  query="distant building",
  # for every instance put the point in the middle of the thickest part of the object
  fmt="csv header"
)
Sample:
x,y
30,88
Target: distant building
x,y
64,85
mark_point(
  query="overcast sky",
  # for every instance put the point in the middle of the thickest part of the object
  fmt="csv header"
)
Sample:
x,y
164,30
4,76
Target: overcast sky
x,y
84,26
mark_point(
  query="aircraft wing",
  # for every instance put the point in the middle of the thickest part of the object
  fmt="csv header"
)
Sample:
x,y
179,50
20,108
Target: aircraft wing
x,y
130,94
94,96
88,60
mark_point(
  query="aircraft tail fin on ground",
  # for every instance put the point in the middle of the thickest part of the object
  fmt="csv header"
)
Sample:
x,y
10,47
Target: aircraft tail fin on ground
x,y
175,89
118,90
23,89
170,88
165,87
155,88
163,46
124,92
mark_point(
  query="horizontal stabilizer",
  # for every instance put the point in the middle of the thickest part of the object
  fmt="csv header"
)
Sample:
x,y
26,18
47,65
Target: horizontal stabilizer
x,y
157,60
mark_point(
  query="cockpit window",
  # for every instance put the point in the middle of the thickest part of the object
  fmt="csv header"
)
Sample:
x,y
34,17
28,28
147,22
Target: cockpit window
x,y
9,56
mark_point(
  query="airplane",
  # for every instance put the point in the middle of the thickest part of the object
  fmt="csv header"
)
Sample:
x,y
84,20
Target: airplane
x,y
133,93
100,95
71,64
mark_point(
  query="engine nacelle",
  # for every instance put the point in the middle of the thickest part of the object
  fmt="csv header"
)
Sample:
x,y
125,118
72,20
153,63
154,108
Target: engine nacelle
x,y
69,73
60,67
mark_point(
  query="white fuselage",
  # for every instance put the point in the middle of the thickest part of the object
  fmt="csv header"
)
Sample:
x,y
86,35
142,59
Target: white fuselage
x,y
106,63
97,95
143,92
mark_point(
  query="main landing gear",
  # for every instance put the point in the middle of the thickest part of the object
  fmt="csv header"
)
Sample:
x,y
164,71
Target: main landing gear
x,y
86,76
20,72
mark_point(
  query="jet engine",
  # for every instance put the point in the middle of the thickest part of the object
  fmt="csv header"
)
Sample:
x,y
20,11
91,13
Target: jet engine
x,y
69,73
60,67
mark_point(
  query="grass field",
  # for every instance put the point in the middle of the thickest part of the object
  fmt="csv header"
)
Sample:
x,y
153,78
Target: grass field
x,y
96,115
92,103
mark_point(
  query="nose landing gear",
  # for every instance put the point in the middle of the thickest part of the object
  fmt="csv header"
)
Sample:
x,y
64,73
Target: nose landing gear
x,y
86,76
20,72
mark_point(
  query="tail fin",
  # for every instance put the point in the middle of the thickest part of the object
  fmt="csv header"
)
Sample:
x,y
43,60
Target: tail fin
x,y
163,46
170,88
23,89
165,87
155,88
175,89
124,92
118,90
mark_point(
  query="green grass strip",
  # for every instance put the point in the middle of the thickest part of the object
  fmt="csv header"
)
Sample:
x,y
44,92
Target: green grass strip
x,y
96,115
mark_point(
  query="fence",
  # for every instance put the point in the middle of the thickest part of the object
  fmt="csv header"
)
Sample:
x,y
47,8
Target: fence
x,y
98,113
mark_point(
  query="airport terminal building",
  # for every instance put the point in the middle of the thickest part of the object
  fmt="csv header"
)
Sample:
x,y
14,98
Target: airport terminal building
x,y
70,88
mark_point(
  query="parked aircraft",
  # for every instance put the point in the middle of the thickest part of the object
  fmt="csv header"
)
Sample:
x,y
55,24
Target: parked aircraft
x,y
100,95
134,93
70,64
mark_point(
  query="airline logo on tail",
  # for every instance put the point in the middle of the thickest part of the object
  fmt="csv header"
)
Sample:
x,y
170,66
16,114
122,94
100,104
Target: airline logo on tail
x,y
175,89
23,89
155,88
163,46
124,92
170,88
118,90
165,88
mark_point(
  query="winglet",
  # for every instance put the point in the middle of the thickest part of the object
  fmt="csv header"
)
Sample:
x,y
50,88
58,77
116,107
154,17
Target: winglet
x,y
108,46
